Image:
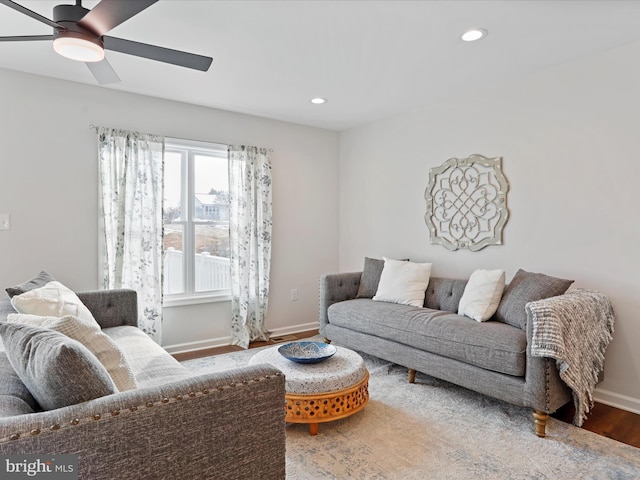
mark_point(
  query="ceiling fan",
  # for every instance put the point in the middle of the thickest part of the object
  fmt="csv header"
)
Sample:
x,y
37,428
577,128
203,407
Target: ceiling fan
x,y
79,34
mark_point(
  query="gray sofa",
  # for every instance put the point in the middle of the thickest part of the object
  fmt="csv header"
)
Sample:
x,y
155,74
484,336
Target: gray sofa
x,y
226,425
493,358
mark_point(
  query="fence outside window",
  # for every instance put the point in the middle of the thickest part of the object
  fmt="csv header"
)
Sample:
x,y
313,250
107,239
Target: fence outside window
x,y
211,272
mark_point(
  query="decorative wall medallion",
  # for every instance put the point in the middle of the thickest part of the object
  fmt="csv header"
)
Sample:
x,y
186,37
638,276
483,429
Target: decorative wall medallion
x,y
467,203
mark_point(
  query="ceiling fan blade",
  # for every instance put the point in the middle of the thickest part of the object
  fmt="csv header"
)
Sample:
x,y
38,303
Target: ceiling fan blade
x,y
30,13
103,72
160,54
26,38
109,14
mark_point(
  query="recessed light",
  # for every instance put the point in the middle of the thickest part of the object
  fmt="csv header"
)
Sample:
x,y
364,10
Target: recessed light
x,y
474,34
318,100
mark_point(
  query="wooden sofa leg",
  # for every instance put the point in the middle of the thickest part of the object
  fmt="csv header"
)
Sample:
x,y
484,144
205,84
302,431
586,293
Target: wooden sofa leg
x,y
540,420
412,375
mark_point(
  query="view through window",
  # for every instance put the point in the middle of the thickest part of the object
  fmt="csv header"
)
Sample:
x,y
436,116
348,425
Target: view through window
x,y
196,218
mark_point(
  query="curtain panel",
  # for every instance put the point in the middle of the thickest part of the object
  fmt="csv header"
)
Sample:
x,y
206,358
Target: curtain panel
x,y
250,222
131,180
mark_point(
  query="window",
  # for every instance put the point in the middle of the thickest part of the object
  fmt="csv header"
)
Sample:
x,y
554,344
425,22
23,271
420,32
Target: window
x,y
196,221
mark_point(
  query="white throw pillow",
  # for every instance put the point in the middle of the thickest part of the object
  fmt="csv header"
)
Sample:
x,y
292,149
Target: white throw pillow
x,y
403,282
53,300
103,347
482,294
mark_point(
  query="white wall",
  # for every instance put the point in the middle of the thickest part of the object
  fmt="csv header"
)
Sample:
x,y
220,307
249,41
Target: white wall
x,y
48,183
570,141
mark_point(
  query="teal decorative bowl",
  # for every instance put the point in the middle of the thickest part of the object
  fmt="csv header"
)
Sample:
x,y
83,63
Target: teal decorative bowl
x,y
307,352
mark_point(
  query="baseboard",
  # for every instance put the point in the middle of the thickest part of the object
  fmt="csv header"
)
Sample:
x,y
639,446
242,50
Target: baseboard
x,y
226,341
302,327
199,345
617,400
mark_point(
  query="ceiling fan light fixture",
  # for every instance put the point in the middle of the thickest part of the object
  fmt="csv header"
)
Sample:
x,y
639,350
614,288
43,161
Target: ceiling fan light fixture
x,y
78,47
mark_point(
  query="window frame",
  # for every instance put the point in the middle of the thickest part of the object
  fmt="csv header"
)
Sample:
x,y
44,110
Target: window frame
x,y
188,150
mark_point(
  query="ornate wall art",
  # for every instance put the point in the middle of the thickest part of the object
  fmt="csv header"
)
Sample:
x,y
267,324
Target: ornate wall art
x,y
467,203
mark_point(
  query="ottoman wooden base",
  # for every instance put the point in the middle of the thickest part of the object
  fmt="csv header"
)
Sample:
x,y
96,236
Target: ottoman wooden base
x,y
317,408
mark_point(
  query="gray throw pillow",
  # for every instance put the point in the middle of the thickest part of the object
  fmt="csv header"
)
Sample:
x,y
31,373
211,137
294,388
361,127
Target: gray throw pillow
x,y
527,287
38,281
57,370
370,277
15,398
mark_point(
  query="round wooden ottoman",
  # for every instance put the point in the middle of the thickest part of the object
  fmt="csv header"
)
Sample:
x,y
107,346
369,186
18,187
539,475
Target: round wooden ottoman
x,y
321,392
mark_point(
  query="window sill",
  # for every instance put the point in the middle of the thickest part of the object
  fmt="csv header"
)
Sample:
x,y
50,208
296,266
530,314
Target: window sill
x,y
182,300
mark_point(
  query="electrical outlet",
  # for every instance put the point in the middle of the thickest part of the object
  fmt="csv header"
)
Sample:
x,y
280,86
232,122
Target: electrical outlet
x,y
294,294
5,221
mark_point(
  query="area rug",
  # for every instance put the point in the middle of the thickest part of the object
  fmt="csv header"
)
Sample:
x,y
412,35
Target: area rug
x,y
435,430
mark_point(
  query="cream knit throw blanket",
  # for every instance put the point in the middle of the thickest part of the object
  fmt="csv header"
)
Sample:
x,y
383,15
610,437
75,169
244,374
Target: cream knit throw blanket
x,y
574,329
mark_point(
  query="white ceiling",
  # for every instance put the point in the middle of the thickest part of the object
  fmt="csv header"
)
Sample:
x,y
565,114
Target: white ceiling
x,y
370,59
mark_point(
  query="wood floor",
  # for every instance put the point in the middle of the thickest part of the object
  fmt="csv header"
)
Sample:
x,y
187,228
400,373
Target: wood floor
x,y
233,348
607,421
604,420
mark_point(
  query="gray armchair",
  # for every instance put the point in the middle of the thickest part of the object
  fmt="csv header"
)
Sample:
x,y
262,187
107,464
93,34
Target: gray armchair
x,y
227,425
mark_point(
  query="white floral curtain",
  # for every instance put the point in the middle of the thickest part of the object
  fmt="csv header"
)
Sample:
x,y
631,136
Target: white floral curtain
x,y
131,181
250,240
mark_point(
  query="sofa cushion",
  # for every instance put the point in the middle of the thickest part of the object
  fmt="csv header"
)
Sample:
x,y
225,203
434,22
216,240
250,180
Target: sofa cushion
x,y
490,345
403,282
92,337
482,294
57,370
527,287
150,363
444,294
38,281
